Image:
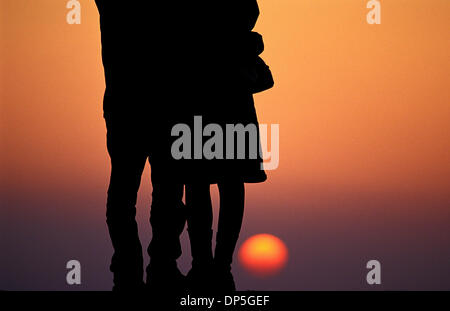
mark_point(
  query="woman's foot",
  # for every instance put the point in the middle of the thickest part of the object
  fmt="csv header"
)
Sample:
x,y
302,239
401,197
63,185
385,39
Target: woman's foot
x,y
200,279
223,279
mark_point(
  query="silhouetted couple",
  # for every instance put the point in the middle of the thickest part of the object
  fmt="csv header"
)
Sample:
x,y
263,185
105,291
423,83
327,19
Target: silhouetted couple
x,y
166,62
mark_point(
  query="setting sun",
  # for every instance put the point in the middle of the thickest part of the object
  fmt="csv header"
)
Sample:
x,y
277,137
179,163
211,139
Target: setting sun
x,y
263,255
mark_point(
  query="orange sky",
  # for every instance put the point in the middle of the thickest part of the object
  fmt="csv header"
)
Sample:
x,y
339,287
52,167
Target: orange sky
x,y
358,105
362,108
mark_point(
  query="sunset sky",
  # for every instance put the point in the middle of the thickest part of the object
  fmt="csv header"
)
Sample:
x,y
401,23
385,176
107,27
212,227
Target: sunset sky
x,y
364,115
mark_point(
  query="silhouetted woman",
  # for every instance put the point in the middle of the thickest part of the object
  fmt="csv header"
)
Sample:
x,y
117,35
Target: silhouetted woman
x,y
226,99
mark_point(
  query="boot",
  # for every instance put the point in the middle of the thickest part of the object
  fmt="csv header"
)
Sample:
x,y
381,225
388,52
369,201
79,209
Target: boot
x,y
223,278
199,278
223,258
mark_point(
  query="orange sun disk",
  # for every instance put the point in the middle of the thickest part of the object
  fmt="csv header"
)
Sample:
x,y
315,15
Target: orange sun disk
x,y
263,255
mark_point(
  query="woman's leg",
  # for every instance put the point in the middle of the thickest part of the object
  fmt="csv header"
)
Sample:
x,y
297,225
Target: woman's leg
x,y
200,219
232,199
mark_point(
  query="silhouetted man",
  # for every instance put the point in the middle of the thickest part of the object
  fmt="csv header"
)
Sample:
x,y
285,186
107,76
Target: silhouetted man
x,y
139,109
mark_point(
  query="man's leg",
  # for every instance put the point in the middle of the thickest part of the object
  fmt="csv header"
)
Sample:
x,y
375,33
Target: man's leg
x,y
127,163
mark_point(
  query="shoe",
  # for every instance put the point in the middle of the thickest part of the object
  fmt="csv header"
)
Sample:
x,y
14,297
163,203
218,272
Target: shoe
x,y
223,279
200,279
